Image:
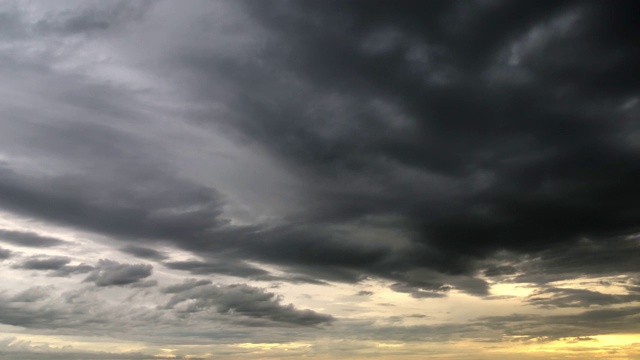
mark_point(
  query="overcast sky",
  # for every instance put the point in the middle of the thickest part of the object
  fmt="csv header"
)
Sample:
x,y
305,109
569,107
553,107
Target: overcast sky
x,y
319,178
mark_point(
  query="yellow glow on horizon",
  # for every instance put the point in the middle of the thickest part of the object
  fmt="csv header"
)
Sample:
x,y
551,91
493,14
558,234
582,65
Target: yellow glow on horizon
x,y
165,356
517,290
613,346
390,345
272,346
616,340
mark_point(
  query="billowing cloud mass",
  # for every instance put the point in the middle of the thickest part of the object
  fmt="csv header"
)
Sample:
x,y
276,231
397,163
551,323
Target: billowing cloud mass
x,y
240,299
329,179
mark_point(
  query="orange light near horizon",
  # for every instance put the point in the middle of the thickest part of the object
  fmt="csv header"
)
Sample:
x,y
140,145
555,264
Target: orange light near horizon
x,y
613,346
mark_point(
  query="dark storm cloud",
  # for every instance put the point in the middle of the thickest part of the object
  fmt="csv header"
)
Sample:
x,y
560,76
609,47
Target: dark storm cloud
x,y
538,163
493,270
244,300
482,127
136,198
4,254
505,128
538,167
29,239
113,207
311,253
143,252
113,273
238,268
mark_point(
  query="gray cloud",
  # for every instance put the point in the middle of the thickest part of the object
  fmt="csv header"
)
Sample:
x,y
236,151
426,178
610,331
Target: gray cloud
x,y
98,311
113,273
513,130
91,19
616,256
29,239
552,327
436,291
32,294
563,298
68,270
56,265
44,263
252,302
116,209
223,267
633,285
512,328
143,252
498,270
495,176
439,146
188,284
144,284
38,353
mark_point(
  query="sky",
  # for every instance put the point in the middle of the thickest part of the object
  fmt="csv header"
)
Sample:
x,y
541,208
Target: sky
x,y
319,179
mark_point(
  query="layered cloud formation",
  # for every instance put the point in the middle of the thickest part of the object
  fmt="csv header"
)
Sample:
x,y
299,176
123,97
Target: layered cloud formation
x,y
234,165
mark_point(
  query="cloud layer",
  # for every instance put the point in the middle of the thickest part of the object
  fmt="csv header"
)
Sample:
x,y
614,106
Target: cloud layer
x,y
420,153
